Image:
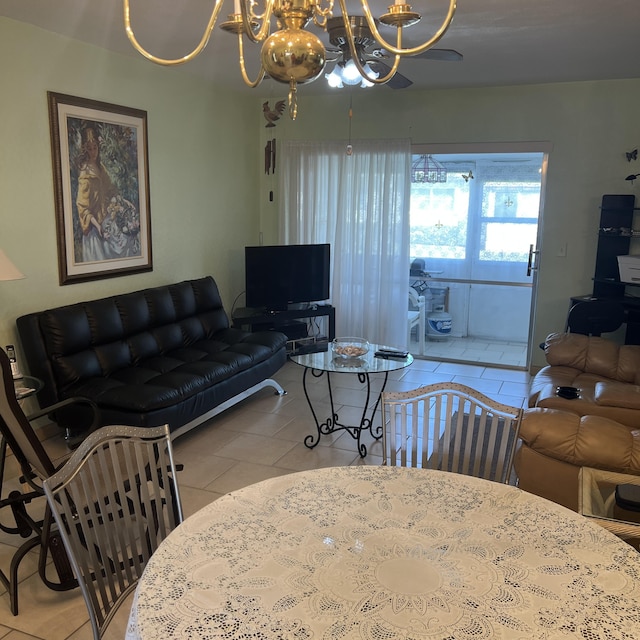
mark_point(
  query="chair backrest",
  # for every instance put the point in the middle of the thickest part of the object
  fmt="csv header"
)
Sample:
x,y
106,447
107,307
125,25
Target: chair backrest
x,y
17,431
115,500
417,317
450,427
414,298
594,317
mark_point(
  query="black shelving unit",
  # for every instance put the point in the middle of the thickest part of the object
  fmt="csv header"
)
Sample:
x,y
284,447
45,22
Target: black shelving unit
x,y
614,238
615,235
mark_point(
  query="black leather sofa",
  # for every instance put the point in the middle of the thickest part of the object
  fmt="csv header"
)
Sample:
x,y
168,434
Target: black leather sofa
x,y
160,355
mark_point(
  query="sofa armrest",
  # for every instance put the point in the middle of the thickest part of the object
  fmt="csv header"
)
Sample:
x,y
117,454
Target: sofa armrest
x,y
583,441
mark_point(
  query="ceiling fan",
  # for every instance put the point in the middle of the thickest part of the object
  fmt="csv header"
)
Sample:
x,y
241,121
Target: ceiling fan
x,y
345,70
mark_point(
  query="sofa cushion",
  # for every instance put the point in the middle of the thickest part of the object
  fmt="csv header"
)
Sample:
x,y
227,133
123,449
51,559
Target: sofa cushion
x,y
586,403
595,355
583,441
617,394
166,379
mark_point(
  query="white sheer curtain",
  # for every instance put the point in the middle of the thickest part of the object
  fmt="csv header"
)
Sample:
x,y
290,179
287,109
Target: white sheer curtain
x,y
360,205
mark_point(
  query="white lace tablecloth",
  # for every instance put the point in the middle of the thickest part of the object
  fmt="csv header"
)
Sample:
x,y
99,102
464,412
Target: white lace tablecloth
x,y
379,553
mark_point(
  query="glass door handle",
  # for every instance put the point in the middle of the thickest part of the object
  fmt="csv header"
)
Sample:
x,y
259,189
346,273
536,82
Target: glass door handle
x,y
531,266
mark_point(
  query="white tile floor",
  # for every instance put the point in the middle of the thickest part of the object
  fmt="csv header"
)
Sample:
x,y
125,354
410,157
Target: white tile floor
x,y
258,439
487,352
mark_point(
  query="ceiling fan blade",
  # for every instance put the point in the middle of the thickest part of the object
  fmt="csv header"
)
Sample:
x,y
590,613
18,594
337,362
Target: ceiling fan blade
x,y
447,55
397,82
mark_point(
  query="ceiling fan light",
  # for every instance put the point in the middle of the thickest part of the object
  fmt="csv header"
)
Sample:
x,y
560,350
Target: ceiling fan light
x,y
371,73
350,73
334,79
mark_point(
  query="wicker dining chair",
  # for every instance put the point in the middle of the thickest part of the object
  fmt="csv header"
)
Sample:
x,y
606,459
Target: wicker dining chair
x,y
450,427
114,501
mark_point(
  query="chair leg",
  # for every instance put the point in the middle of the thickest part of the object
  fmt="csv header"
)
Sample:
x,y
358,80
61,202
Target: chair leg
x,y
12,584
23,521
48,541
52,542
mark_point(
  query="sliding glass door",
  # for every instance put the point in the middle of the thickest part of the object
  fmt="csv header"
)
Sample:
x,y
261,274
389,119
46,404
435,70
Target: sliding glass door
x,y
473,231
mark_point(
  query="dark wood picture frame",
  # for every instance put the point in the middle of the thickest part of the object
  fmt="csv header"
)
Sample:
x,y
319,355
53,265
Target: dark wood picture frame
x,y
101,187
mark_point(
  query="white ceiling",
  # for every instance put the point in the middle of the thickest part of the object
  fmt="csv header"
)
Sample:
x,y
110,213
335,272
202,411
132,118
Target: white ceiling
x,y
503,42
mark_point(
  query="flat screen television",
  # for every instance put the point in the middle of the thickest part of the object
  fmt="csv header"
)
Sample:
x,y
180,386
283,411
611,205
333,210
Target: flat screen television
x,y
277,276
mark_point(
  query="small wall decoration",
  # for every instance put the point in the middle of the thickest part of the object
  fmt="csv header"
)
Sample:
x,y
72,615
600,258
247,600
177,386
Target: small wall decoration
x,y
101,185
272,115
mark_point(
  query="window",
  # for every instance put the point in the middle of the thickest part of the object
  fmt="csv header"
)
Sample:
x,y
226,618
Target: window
x,y
486,212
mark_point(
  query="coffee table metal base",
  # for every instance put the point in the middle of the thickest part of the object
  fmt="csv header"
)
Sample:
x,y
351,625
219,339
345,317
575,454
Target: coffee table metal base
x,y
333,424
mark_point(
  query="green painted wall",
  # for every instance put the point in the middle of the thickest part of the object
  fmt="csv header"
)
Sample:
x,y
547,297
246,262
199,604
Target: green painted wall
x,y
590,126
209,192
201,150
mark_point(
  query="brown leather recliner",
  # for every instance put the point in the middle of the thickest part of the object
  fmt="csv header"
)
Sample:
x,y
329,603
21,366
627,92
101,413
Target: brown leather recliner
x,y
600,428
607,375
556,443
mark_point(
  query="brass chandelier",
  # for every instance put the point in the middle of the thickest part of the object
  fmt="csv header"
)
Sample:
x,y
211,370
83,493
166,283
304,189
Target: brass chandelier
x,y
291,54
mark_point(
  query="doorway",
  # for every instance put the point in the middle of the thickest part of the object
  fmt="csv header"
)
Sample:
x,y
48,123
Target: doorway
x,y
475,225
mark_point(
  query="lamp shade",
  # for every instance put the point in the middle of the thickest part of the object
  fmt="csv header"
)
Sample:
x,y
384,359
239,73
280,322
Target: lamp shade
x,y
8,270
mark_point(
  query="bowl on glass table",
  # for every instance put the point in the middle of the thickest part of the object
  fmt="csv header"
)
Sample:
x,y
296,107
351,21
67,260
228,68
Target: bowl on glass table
x,y
349,349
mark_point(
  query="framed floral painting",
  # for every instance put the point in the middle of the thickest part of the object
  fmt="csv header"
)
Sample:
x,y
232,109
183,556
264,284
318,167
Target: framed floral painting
x,y
101,188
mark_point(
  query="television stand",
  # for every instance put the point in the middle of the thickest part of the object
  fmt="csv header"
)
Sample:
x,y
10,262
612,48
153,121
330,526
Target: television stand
x,y
261,320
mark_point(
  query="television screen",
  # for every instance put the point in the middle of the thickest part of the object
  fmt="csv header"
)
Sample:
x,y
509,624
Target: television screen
x,y
277,276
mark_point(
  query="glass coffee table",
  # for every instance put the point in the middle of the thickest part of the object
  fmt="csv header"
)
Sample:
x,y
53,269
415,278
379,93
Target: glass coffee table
x,y
597,501
326,364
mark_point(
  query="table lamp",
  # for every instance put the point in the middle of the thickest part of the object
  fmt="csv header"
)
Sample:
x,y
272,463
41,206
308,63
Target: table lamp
x,y
8,270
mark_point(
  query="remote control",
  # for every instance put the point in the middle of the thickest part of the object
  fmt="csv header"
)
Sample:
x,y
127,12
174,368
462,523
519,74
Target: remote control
x,y
394,352
11,353
397,355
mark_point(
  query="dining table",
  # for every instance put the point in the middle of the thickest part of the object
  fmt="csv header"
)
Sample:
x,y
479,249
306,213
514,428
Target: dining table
x,y
378,553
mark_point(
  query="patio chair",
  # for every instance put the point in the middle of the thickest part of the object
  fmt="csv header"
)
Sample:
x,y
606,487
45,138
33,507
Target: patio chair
x,y
417,317
114,501
450,427
17,433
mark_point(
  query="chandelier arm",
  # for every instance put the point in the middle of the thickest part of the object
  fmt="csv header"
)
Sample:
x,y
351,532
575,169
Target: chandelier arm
x,y
411,51
251,83
171,61
249,18
378,80
354,52
320,15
